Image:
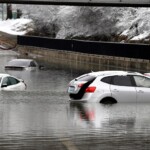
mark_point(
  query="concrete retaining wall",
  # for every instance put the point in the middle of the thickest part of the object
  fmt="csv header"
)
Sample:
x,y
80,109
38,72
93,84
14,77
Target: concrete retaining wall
x,y
84,61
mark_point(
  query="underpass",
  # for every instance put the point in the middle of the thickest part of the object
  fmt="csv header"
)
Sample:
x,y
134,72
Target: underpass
x,y
116,3
42,118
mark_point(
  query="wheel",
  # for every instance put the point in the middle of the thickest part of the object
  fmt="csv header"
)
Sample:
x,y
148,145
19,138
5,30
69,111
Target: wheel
x,y
108,100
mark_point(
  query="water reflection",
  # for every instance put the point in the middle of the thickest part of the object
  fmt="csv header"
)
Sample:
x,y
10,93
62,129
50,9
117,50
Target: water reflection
x,y
125,116
46,125
41,118
101,116
112,126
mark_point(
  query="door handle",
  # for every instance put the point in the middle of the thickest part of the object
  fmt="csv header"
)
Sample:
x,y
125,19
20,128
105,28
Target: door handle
x,y
115,90
140,91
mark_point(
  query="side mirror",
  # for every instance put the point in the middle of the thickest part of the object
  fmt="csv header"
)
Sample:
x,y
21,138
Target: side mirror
x,y
4,85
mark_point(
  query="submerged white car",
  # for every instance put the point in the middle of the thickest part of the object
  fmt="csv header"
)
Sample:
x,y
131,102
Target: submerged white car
x,y
110,87
22,64
10,83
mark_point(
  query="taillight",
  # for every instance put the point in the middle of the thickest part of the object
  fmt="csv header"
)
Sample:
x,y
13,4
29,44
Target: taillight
x,y
147,74
90,89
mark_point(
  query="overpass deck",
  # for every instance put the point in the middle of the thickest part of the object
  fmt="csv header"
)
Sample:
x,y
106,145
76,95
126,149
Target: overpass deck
x,y
113,3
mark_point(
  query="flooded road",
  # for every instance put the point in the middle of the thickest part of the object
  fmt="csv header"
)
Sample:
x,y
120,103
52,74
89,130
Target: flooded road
x,y
42,118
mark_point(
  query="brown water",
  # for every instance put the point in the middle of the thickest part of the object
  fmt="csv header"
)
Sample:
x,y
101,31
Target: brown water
x,y
42,118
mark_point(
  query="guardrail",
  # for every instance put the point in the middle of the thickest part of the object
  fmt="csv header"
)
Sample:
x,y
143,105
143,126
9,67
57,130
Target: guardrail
x,y
139,51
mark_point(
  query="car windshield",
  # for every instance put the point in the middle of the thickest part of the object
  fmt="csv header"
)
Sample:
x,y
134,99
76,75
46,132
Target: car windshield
x,y
86,78
19,63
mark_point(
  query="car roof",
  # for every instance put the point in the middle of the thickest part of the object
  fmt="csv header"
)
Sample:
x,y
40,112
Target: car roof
x,y
19,62
4,75
113,72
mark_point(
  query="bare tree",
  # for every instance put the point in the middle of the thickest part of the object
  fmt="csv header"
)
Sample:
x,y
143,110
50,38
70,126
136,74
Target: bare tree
x,y
9,11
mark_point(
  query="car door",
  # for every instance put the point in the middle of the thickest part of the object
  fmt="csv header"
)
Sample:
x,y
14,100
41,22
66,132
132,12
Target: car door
x,y
122,89
142,88
10,83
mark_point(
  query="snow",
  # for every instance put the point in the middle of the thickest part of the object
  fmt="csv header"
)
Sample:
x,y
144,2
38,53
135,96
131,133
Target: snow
x,y
65,22
139,28
15,26
140,36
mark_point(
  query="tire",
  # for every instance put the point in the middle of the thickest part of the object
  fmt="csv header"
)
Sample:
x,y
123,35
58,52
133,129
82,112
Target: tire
x,y
108,100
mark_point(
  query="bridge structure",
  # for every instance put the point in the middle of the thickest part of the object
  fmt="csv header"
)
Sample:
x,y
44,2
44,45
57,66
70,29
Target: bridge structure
x,y
113,3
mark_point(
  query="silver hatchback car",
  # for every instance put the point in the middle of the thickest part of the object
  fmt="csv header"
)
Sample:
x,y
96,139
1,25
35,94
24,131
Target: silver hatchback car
x,y
110,87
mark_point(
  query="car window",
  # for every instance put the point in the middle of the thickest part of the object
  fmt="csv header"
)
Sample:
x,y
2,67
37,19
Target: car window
x,y
13,80
0,80
122,80
32,64
5,82
86,78
106,80
141,81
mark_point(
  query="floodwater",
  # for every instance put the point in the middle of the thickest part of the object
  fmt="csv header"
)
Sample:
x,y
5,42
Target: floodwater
x,y
42,118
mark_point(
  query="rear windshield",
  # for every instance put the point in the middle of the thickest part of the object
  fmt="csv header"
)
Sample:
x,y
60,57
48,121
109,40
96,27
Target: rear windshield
x,y
86,78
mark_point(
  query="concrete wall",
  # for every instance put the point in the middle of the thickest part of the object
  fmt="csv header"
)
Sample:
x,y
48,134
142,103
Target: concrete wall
x,y
8,41
84,61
